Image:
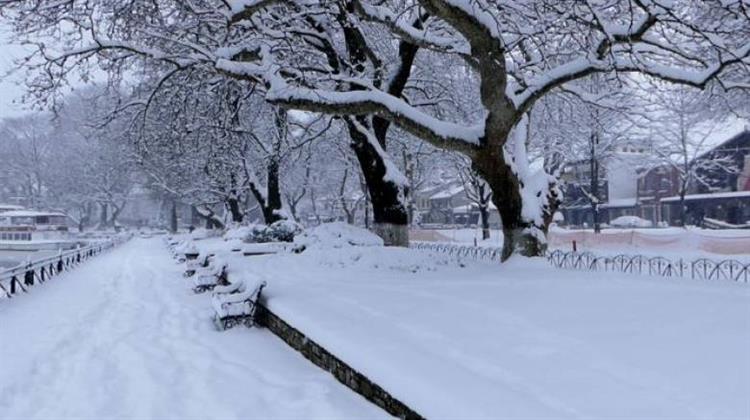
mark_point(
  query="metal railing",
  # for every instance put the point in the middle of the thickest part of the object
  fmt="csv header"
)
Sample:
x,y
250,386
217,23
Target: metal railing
x,y
27,274
699,269
487,254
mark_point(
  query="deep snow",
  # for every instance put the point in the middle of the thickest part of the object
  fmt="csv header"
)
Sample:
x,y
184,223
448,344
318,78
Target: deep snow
x,y
521,340
123,337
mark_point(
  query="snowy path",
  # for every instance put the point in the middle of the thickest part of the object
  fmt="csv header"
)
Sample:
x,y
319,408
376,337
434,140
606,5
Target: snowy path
x,y
122,337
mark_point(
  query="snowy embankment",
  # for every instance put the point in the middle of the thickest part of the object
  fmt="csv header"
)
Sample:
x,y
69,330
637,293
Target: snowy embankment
x,y
124,337
666,242
690,243
521,340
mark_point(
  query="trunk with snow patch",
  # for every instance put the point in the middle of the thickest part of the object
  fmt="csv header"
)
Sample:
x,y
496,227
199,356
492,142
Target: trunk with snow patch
x,y
525,199
390,216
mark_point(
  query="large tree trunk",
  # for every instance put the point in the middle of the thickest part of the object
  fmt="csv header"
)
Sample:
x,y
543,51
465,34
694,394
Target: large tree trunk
x,y
519,236
86,211
484,216
116,210
173,216
683,212
390,218
270,202
390,215
271,211
103,216
594,187
235,209
212,220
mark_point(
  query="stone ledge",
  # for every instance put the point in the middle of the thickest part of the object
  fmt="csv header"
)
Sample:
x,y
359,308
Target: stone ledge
x,y
344,373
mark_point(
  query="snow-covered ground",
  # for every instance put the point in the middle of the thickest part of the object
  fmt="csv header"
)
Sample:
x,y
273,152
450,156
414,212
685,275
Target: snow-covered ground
x,y
123,337
520,340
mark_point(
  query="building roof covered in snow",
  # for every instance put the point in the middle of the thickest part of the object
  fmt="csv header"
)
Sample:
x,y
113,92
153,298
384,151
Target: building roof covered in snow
x,y
448,192
30,213
728,194
621,202
9,207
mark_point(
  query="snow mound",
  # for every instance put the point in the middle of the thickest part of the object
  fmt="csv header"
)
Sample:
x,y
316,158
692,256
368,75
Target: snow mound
x,y
239,232
630,221
335,235
375,259
202,233
185,247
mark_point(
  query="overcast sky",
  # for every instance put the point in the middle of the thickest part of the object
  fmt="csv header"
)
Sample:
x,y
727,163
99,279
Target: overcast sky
x,y
10,91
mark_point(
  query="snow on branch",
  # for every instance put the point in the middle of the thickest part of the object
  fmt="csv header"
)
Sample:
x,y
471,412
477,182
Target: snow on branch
x,y
392,173
655,40
240,10
410,32
470,17
440,133
691,77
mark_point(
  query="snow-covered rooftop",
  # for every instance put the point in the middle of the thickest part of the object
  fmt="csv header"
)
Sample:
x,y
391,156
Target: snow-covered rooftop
x,y
29,213
9,207
471,207
719,134
728,194
448,192
621,202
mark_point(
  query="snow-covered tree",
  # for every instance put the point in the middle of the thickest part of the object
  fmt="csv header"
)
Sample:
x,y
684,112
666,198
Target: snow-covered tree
x,y
26,148
338,58
588,127
478,193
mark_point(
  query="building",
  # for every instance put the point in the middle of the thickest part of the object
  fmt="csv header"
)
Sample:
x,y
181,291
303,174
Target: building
x,y
449,205
653,193
725,195
576,184
735,150
617,186
722,208
654,185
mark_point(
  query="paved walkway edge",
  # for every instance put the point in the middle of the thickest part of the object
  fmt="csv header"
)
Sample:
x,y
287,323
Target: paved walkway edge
x,y
324,359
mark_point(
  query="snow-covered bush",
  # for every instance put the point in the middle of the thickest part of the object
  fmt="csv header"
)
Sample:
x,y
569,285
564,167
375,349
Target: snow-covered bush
x,y
335,235
281,231
285,230
630,222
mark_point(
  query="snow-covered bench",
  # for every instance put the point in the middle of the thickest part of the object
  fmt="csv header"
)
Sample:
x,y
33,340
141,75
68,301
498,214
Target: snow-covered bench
x,y
209,277
183,250
203,261
177,249
236,304
266,248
